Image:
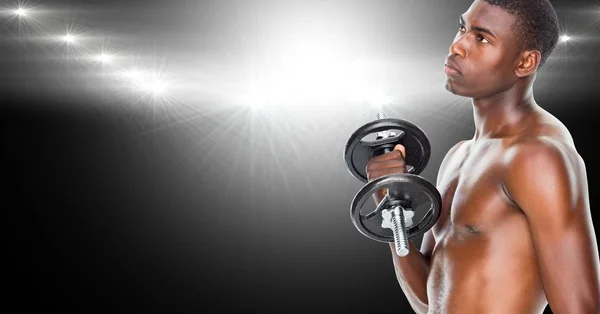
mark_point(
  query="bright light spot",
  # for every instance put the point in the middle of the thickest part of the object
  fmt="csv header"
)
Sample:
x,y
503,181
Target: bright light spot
x,y
305,67
313,74
155,86
104,58
68,38
255,99
134,75
314,69
20,12
145,80
564,38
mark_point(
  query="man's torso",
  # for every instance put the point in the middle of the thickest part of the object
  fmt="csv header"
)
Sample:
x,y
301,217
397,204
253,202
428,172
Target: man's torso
x,y
483,260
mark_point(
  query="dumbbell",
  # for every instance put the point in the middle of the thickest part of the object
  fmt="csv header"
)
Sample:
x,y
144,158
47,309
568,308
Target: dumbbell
x,y
408,195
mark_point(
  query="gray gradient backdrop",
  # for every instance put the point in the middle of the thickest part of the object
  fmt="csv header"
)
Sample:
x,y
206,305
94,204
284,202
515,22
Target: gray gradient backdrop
x,y
195,202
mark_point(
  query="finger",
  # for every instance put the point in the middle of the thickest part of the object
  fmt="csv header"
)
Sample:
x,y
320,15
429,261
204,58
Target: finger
x,y
394,154
383,165
379,195
402,149
380,173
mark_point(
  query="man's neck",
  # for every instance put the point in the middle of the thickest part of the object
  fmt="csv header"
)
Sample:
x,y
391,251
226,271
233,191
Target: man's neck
x,y
503,114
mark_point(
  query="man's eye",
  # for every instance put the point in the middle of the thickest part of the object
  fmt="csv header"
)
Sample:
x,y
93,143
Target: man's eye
x,y
461,28
482,39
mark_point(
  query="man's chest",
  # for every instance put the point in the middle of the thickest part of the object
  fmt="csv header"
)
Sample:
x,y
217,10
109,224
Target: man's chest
x,y
471,187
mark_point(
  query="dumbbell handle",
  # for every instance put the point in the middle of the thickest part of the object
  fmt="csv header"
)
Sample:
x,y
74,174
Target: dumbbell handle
x,y
382,115
394,219
397,214
384,134
399,230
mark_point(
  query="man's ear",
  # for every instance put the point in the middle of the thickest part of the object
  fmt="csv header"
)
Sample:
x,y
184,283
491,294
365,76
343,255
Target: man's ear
x,y
529,61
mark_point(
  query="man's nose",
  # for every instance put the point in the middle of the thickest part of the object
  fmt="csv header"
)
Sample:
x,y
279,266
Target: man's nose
x,y
458,47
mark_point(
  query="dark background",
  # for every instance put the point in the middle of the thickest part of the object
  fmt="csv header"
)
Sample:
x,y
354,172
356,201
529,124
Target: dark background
x,y
199,206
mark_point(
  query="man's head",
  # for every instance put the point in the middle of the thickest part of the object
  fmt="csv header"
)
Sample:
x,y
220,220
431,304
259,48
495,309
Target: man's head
x,y
498,43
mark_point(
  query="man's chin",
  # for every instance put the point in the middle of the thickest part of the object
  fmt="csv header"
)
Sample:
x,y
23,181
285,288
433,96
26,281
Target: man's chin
x,y
452,88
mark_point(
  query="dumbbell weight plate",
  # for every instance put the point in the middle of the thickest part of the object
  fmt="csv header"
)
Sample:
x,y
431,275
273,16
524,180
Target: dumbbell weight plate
x,y
421,196
362,146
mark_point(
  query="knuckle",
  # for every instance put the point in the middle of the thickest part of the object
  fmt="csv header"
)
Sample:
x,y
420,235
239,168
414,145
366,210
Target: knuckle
x,y
374,173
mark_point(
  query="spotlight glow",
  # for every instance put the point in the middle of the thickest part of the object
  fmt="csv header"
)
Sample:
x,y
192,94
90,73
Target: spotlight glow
x,y
104,58
68,38
564,38
315,74
255,99
156,86
21,12
134,75
144,81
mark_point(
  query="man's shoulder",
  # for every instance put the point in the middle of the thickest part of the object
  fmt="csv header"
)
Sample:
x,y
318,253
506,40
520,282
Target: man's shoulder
x,y
547,153
457,147
452,152
542,166
533,148
546,128
547,136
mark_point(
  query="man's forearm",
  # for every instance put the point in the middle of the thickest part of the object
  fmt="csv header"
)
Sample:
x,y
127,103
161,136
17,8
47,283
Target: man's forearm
x,y
412,271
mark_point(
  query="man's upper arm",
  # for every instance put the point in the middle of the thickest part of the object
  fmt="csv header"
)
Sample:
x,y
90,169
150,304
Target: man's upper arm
x,y
548,182
428,243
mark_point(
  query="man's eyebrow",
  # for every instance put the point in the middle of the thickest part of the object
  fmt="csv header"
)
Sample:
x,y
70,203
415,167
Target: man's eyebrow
x,y
477,28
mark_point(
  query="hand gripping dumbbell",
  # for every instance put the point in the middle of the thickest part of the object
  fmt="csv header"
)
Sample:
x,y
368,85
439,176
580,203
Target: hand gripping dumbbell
x,y
408,194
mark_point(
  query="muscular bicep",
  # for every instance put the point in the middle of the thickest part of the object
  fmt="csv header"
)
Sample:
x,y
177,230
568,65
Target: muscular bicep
x,y
428,244
548,183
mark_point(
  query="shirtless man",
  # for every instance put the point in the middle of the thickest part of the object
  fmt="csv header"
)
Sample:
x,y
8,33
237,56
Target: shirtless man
x,y
515,232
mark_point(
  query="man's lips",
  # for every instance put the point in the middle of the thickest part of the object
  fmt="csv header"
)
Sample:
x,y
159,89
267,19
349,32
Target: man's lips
x,y
451,68
450,71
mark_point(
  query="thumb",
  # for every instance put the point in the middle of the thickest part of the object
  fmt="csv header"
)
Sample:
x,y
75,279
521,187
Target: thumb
x,y
402,149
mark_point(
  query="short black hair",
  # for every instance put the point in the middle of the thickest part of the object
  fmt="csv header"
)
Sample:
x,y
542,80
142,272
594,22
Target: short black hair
x,y
536,25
